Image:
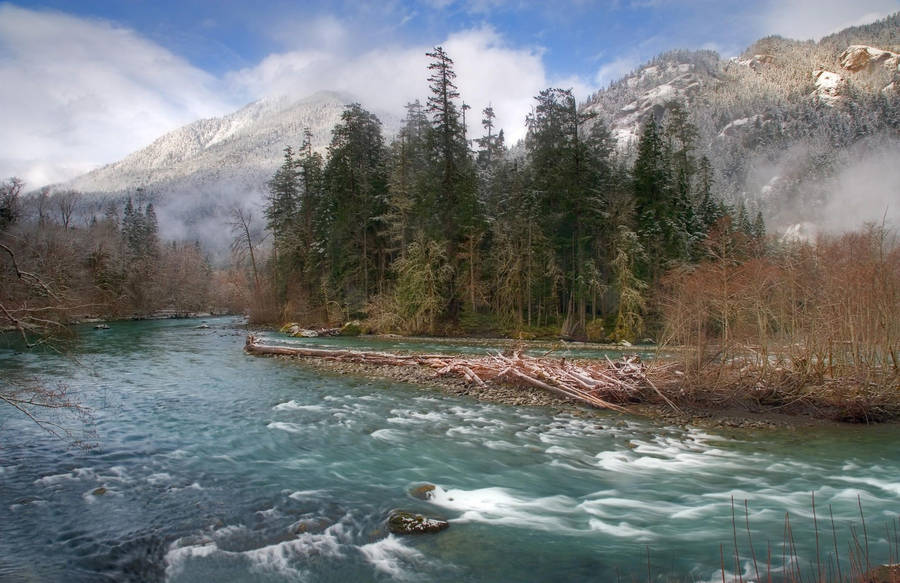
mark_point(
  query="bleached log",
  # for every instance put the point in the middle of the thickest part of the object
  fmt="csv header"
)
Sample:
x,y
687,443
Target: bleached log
x,y
589,384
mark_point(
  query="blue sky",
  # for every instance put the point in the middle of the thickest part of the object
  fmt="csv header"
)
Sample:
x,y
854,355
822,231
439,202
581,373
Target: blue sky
x,y
96,79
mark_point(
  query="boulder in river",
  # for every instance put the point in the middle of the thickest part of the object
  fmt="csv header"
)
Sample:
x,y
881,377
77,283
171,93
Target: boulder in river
x,y
423,492
403,522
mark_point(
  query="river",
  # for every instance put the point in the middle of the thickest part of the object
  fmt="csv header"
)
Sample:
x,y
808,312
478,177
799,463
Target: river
x,y
211,465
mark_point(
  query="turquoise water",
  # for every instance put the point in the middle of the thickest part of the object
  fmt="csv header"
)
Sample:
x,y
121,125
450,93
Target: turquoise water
x,y
472,346
219,466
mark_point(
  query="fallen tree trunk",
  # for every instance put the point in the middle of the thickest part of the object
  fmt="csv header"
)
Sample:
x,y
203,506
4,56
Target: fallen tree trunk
x,y
598,384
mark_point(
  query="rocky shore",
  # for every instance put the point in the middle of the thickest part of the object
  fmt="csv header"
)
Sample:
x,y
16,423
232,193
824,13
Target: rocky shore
x,y
502,393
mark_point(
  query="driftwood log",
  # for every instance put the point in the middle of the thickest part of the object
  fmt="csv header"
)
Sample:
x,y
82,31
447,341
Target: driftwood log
x,y
601,384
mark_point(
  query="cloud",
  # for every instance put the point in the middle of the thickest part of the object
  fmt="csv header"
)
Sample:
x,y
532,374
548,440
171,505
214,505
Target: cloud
x,y
616,69
385,79
81,92
865,190
813,19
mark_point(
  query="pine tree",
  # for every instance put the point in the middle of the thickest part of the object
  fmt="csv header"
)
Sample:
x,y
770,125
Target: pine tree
x,y
150,232
709,210
654,202
356,199
491,143
452,183
283,200
407,211
141,241
310,168
569,154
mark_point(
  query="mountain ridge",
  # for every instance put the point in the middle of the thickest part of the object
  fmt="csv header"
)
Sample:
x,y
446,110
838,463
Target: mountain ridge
x,y
771,121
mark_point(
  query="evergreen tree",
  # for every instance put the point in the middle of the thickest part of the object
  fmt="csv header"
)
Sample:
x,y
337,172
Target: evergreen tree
x,y
490,145
310,167
452,182
570,164
356,202
709,210
283,200
141,241
407,211
150,234
654,202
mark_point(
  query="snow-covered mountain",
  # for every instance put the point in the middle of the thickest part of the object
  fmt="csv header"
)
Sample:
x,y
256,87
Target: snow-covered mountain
x,y
198,172
241,149
805,131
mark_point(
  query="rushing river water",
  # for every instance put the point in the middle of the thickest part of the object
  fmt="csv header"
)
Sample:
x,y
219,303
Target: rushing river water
x,y
218,466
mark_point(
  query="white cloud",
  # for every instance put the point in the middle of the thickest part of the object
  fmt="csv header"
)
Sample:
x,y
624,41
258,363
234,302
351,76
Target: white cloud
x,y
813,19
78,93
385,79
616,69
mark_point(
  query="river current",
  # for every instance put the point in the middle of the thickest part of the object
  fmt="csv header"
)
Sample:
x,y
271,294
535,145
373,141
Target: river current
x,y
212,465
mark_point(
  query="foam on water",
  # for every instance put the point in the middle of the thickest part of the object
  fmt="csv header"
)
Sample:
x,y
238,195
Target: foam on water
x,y
284,557
501,506
177,556
75,474
305,494
621,530
392,557
295,406
159,478
695,511
289,427
411,416
391,435
892,487
500,444
291,558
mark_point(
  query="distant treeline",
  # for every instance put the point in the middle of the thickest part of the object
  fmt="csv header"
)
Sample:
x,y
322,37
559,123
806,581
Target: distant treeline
x,y
60,260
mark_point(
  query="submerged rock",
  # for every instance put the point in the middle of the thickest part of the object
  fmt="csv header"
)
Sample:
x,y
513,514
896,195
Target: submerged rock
x,y
423,492
402,522
99,491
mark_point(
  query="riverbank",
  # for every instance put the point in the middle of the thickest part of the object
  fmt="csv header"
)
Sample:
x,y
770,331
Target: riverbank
x,y
684,413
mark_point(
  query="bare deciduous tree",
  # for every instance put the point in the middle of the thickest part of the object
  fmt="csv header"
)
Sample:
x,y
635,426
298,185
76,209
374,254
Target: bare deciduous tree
x,y
245,239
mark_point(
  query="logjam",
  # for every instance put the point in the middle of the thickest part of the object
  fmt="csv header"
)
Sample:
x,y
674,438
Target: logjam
x,y
600,384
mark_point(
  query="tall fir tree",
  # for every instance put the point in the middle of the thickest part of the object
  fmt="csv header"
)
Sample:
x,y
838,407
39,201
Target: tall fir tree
x,y
356,199
408,211
452,182
569,152
654,202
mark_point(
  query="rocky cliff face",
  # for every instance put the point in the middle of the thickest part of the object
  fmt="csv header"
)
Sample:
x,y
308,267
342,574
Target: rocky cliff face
x,y
784,124
859,58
